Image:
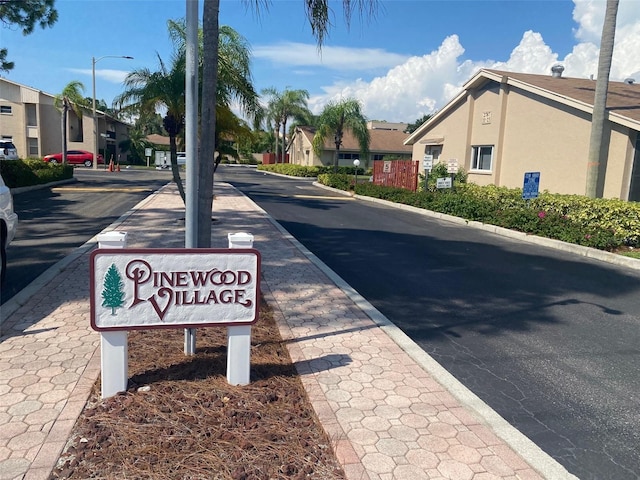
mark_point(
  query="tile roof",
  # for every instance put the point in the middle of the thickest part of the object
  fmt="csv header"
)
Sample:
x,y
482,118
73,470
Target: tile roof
x,y
383,141
622,98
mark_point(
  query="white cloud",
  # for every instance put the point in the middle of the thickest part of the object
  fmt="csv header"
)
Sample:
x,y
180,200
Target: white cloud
x,y
113,76
423,84
335,58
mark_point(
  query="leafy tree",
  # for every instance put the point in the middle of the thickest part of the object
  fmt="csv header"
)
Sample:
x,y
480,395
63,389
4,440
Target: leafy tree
x,y
318,13
337,117
113,293
596,156
70,99
272,115
25,14
412,127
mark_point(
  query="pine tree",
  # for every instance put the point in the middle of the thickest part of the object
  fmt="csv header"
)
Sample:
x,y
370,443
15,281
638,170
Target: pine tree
x,y
113,293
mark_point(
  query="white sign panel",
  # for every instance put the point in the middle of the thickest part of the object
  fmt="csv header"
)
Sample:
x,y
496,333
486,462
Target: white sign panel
x,y
452,166
171,288
427,162
147,152
386,167
444,182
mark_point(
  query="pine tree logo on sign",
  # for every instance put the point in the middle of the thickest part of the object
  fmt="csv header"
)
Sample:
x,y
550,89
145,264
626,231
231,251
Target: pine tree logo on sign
x,y
113,292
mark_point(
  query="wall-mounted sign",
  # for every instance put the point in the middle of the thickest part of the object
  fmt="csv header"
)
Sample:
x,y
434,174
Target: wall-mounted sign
x,y
171,288
386,167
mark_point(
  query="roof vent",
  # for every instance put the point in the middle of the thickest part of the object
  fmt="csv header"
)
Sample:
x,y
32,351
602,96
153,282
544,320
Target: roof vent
x,y
556,71
629,81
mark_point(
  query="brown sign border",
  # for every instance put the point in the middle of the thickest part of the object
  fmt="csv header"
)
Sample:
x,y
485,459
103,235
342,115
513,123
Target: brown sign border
x,y
170,251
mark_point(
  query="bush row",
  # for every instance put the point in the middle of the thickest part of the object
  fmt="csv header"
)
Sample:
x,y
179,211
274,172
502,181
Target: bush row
x,y
33,171
302,171
597,223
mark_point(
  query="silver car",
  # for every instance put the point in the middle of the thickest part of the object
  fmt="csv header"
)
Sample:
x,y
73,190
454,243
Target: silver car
x,y
8,224
8,150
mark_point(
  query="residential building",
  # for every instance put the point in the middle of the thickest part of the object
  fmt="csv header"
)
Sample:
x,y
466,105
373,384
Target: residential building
x,y
504,124
387,143
30,120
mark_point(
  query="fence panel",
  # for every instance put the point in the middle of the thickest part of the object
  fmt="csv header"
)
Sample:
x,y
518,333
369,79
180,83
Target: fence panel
x,y
396,173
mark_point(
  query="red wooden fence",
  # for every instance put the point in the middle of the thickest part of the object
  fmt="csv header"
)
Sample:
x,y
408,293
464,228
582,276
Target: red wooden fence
x,y
270,158
396,173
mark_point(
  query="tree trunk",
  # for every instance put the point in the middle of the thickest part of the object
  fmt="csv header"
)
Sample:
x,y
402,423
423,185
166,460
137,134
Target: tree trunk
x,y
596,158
277,139
210,29
175,169
284,141
64,133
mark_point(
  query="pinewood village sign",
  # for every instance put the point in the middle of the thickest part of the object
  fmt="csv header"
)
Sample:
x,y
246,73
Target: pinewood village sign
x,y
171,288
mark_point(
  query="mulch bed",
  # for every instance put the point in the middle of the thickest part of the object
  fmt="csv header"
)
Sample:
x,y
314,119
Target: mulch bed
x,y
180,419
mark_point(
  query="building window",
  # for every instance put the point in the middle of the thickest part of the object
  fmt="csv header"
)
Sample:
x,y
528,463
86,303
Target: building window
x,y
32,118
5,109
482,158
32,147
377,156
348,156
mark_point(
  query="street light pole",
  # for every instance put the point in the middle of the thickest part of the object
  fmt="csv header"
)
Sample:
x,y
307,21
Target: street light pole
x,y
95,60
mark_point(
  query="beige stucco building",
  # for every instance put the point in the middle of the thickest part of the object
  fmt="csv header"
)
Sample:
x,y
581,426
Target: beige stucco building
x,y
386,140
504,124
29,119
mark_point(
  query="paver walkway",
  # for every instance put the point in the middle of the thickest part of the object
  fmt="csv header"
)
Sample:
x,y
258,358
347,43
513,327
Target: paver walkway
x,y
389,417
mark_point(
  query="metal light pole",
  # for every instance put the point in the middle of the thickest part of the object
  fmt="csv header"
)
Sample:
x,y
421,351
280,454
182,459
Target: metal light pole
x,y
95,60
356,163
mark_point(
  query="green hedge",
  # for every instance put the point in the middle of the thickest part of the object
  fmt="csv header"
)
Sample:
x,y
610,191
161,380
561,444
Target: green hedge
x,y
32,171
302,171
597,223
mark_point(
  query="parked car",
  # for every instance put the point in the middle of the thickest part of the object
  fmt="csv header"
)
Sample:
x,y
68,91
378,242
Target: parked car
x,y
8,151
8,224
74,157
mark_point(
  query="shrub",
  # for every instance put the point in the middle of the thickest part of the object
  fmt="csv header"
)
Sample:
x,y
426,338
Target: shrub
x,y
24,173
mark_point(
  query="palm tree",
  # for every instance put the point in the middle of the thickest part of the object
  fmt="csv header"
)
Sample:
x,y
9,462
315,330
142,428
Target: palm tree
x,y
318,13
337,117
272,114
70,99
294,104
600,99
164,89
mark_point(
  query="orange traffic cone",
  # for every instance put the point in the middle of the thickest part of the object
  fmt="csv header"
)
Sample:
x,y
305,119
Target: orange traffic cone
x,y
118,167
111,165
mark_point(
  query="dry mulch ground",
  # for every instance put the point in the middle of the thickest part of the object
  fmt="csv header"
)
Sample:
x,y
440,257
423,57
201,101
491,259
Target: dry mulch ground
x,y
180,419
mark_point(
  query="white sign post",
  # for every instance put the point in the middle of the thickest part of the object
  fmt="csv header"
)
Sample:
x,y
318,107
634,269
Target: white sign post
x,y
114,352
239,337
171,288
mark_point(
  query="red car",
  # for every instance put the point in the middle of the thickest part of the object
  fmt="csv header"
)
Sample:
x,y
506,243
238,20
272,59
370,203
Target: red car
x,y
75,157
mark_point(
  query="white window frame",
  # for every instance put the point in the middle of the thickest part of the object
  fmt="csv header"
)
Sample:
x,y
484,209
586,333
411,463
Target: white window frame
x,y
476,151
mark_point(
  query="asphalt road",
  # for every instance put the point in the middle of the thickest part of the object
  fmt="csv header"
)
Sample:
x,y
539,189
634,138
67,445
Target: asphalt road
x,y
550,340
53,221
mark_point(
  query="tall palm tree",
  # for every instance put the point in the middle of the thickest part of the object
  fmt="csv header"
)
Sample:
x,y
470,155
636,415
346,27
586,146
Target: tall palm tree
x,y
272,114
318,13
337,117
600,99
69,99
294,105
164,89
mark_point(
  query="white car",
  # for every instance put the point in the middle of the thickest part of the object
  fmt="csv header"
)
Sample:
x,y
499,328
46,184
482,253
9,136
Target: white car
x,y
8,224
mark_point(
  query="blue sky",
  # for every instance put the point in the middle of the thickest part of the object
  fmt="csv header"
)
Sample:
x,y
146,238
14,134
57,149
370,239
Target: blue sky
x,y
409,60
